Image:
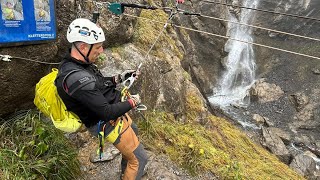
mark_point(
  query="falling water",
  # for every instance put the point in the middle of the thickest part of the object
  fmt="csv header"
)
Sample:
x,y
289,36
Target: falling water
x,y
239,75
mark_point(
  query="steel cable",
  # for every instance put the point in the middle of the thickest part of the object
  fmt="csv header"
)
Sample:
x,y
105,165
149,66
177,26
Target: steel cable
x,y
262,10
227,37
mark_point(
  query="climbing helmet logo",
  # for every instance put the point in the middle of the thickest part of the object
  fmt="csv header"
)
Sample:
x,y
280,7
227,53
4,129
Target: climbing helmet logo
x,y
84,32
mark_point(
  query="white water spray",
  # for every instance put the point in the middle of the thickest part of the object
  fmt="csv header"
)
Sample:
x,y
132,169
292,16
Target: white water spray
x,y
239,75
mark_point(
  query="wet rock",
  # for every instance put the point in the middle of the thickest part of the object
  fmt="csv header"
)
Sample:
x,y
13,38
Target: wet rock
x,y
274,143
156,170
304,165
266,92
312,148
76,139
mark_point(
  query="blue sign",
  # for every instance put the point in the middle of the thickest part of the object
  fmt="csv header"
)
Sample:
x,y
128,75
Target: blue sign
x,y
27,21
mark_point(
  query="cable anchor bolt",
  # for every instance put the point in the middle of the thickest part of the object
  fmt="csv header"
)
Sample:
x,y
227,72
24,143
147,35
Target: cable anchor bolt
x,y
6,58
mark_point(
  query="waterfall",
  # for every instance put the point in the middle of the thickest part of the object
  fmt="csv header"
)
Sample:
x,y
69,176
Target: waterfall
x,y
239,74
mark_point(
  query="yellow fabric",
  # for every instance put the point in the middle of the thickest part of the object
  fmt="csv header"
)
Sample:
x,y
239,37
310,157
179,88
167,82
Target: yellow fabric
x,y
49,103
114,134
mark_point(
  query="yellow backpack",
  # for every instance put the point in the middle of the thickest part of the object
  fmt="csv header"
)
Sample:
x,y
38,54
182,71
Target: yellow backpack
x,y
49,103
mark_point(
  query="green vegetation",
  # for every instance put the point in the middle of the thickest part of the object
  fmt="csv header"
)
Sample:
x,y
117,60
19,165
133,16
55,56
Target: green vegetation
x,y
194,106
147,32
219,148
101,58
32,149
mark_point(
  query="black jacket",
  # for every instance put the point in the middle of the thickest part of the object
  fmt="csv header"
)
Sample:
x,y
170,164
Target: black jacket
x,y
87,93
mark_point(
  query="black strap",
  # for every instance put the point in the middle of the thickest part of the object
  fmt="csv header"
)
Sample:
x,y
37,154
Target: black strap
x,y
80,83
85,57
91,46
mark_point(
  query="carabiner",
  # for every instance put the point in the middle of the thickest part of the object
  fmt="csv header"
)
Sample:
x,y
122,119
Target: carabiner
x,y
128,82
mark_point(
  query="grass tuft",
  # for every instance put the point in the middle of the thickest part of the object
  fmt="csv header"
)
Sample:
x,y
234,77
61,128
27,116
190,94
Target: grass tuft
x,y
32,149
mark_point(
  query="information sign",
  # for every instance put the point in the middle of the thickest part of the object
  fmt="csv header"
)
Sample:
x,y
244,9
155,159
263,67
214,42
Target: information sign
x,y
27,21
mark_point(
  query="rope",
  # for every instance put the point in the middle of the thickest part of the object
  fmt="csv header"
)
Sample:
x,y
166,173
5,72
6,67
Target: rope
x,y
262,10
228,37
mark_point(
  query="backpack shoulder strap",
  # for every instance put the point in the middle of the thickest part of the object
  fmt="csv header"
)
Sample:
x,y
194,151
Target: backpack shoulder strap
x,y
74,77
77,79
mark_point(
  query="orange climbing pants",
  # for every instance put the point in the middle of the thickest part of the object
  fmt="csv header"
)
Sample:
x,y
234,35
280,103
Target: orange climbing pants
x,y
128,146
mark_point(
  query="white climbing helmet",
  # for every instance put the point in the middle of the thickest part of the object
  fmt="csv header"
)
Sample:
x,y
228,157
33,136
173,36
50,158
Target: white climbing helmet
x,y
84,30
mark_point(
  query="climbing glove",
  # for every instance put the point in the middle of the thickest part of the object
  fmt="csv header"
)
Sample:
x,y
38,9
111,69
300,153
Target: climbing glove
x,y
134,100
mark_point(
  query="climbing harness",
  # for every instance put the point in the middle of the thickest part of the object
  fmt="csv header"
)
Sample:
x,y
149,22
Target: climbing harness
x,y
101,138
113,128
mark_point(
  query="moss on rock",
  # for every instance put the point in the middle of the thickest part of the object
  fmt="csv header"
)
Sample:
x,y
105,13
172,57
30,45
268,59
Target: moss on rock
x,y
221,149
147,31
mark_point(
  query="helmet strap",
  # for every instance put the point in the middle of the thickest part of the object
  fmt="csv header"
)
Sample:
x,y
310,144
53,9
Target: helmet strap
x,y
91,46
85,57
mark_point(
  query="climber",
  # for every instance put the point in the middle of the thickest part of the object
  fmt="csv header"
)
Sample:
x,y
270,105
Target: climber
x,y
93,97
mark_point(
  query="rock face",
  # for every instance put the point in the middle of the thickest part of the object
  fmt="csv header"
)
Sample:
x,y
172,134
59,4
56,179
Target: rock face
x,y
203,52
274,143
295,75
18,77
289,96
303,164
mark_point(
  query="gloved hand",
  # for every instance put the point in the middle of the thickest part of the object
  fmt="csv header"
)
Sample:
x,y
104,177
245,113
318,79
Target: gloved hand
x,y
134,100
